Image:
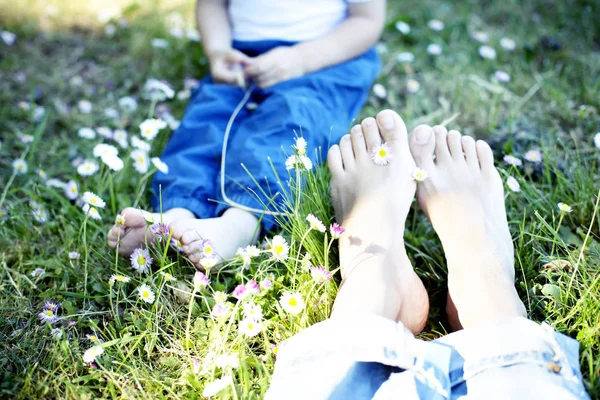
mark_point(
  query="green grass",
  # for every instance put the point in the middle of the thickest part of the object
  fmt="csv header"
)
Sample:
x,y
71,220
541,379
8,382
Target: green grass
x,y
551,103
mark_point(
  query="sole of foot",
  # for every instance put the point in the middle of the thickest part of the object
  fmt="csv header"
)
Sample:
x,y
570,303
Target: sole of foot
x,y
372,202
463,198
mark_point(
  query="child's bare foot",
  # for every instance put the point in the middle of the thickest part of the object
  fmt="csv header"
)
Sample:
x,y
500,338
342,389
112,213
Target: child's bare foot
x,y
232,230
372,202
134,232
463,198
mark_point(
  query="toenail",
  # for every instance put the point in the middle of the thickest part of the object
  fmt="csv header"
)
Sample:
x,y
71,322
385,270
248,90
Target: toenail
x,y
423,135
369,122
387,121
355,129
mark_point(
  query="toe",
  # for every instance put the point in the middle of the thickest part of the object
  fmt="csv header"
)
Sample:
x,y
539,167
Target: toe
x,y
189,237
134,217
371,132
392,127
468,147
347,152
486,156
455,145
442,154
358,141
422,145
334,161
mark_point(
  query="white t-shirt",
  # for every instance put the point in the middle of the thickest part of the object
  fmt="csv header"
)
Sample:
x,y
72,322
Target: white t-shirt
x,y
290,20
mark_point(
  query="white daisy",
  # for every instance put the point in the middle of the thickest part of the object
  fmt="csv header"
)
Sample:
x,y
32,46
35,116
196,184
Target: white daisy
x,y
92,353
315,223
141,261
200,281
379,90
412,86
146,294
209,262
87,168
8,37
535,156
507,44
279,248
20,166
150,128
120,220
502,76
86,133
436,25
26,138
111,113
252,311
160,165
140,161
118,278
92,212
487,52
381,155
157,90
216,386
403,27
405,57
292,303
73,255
140,144
513,184
113,162
38,272
300,146
71,190
84,106
128,103
105,132
120,136
480,36
419,175
434,49
48,315
512,160
250,327
93,200
597,140
564,208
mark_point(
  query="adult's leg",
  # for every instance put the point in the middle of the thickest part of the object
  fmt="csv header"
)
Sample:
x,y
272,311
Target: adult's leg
x,y
500,354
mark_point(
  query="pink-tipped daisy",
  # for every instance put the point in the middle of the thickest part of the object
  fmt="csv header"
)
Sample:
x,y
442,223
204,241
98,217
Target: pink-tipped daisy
x,y
336,230
381,155
320,274
141,260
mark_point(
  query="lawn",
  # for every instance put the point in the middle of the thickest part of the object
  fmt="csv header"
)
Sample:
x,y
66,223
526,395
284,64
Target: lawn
x,y
523,75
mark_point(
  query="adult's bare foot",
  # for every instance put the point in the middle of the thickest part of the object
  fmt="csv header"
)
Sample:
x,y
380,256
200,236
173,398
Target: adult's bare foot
x,y
464,200
372,202
132,230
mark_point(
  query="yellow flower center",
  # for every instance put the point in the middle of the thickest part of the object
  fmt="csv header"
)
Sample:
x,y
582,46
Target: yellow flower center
x,y
141,159
250,326
73,189
293,302
120,277
278,249
145,294
382,153
49,313
208,250
141,260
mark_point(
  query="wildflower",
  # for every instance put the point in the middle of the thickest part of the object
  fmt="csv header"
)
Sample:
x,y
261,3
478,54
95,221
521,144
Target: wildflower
x,y
221,310
92,337
292,303
220,297
120,136
252,251
487,52
379,90
105,150
92,212
20,166
434,49
57,183
405,57
480,36
294,160
160,165
114,163
507,44
128,103
502,76
436,25
250,327
87,168
118,278
209,262
279,248
419,175
300,146
26,138
196,367
56,333
41,173
148,217
216,386
200,281
37,272
266,284
157,90
48,315
315,223
177,245
150,128
140,161
38,113
160,231
93,200
412,86
227,361
8,37
564,208
51,305
597,140
141,260
105,132
240,292
112,114
381,155
512,184
535,156
252,287
120,220
252,311
146,294
305,262
336,230
512,160
73,255
85,107
402,27
275,349
39,214
92,353
86,133
158,43
320,274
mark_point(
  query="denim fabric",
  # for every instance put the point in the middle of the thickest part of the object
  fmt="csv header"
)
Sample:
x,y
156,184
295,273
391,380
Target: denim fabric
x,y
319,106
370,357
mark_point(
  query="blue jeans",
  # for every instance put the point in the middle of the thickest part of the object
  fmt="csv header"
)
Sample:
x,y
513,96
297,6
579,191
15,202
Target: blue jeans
x,y
372,357
319,106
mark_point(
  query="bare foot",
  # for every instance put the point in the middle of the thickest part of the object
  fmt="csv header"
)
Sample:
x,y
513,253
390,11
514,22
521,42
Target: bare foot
x,y
464,200
372,202
234,229
134,231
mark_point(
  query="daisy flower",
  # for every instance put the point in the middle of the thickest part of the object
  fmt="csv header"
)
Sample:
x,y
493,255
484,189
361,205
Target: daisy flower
x,y
412,86
597,140
111,113
487,52
160,230
177,245
105,132
26,138
209,262
92,353
120,220
207,248
252,287
41,173
93,200
564,208
167,276
320,274
502,76
266,284
292,303
38,272
512,160
200,281
315,223
216,386
20,166
405,57
419,175
512,184
279,248
300,146
48,315
92,212
140,144
161,166
436,25
227,361
86,133
141,260
220,297
113,162
39,214
157,90
221,310
140,161
252,311
146,294
56,333
120,136
250,327
294,161
8,37
51,305
118,278
480,36
128,103
507,44
102,150
535,156
92,337
87,168
240,292
150,128
252,251
84,106
381,155
336,230
434,49
402,27
379,90
73,255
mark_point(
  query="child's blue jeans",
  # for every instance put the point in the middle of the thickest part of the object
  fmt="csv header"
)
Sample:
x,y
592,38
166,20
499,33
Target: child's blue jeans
x,y
319,106
373,357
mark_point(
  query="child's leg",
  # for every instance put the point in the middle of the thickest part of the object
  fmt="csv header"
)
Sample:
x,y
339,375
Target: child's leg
x,y
193,156
499,354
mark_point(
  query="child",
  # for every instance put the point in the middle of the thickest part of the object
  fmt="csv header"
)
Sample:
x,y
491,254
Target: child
x,y
312,64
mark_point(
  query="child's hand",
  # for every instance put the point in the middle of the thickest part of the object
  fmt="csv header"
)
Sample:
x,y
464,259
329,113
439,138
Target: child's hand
x,y
278,65
227,66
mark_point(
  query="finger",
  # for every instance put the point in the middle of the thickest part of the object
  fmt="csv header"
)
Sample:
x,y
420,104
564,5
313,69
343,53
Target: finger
x,y
237,56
